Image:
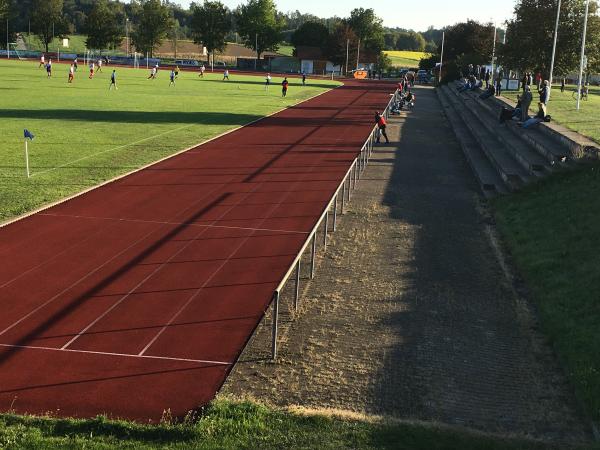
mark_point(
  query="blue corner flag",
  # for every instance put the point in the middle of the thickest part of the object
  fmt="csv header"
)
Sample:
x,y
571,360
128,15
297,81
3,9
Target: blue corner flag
x,y
28,134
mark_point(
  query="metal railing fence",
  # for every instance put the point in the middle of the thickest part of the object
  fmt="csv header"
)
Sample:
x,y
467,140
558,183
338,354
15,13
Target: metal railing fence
x,y
337,202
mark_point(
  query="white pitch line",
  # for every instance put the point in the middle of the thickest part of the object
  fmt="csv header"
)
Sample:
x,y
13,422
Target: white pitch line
x,y
109,150
125,355
160,222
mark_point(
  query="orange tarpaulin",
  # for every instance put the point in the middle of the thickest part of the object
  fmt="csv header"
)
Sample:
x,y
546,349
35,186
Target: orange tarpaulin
x,y
360,74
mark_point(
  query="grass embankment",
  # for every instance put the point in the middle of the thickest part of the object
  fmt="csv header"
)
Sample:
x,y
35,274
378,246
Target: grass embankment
x,y
562,108
85,134
228,424
406,59
552,229
76,44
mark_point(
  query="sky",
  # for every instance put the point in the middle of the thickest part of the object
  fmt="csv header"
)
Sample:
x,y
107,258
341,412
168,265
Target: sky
x,y
417,15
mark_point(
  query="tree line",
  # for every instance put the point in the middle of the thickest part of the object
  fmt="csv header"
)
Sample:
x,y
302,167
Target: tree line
x,y
526,42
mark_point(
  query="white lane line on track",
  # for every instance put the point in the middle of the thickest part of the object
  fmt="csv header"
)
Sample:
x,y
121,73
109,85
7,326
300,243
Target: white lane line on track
x,y
123,355
148,277
215,272
47,302
160,222
109,150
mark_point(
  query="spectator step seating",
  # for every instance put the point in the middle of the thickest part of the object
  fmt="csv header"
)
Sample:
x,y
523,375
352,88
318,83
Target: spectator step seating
x,y
521,151
554,152
489,178
566,144
514,173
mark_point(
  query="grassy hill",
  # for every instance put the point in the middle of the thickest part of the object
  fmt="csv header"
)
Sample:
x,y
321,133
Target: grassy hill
x,y
406,59
552,229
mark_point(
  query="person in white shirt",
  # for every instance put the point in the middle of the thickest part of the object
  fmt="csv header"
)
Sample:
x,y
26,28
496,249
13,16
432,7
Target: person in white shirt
x,y
226,75
267,82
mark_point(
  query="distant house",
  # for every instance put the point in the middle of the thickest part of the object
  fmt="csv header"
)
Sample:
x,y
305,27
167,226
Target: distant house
x,y
312,61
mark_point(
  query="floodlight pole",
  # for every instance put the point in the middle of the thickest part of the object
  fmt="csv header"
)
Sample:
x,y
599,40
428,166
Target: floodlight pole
x,y
551,79
442,57
358,54
585,21
127,34
347,53
494,51
7,40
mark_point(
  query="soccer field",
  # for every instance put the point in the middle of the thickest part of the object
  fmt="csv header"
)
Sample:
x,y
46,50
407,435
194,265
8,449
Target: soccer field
x,y
86,134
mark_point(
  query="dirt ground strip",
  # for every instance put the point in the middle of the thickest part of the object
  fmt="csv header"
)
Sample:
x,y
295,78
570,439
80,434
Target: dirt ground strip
x,y
411,314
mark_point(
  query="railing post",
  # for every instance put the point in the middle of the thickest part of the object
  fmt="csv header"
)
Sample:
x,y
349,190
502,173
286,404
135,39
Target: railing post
x,y
275,326
297,293
325,230
349,184
312,256
335,208
343,195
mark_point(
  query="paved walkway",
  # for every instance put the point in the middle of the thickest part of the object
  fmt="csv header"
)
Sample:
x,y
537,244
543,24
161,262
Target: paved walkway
x,y
411,314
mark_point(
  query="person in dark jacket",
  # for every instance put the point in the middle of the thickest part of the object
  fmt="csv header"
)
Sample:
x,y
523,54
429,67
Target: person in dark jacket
x,y
544,91
526,100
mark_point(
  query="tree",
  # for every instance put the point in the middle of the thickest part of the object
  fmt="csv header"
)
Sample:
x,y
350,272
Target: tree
x,y
47,21
410,41
313,34
210,24
153,26
342,40
367,27
103,27
259,26
523,53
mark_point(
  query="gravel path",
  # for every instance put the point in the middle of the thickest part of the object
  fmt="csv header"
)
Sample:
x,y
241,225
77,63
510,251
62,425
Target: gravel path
x,y
411,314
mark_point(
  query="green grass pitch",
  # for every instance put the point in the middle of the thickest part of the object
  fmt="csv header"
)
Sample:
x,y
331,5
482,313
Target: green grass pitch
x,y
86,134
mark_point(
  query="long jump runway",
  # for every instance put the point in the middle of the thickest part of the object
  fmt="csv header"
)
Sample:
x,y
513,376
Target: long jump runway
x,y
139,296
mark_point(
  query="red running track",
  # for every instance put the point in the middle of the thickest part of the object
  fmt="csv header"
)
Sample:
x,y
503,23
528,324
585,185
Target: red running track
x,y
139,296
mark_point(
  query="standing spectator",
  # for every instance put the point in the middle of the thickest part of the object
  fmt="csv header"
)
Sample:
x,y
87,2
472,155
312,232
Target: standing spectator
x,y
498,86
487,79
284,87
303,79
99,65
42,61
226,75
538,80
524,82
562,85
381,125
525,103
543,91
267,81
202,69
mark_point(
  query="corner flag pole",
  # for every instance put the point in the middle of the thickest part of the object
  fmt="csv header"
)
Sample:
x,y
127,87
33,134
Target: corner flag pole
x,y
554,51
587,10
26,157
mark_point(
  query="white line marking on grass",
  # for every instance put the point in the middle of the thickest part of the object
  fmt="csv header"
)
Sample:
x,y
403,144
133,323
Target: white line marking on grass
x,y
124,355
110,150
160,222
